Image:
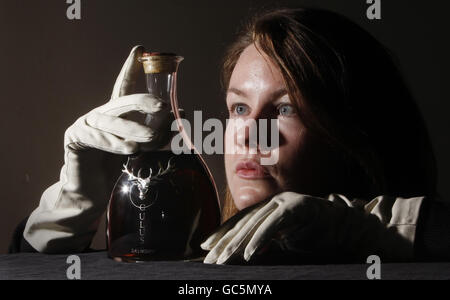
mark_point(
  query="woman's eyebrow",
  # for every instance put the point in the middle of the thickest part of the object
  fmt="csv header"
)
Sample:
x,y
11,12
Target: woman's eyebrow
x,y
279,93
237,92
275,95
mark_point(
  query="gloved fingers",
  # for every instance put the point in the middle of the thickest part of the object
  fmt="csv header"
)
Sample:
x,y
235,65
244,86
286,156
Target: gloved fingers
x,y
340,199
236,221
162,124
290,199
122,128
266,231
84,137
143,103
237,245
295,211
130,72
220,239
292,208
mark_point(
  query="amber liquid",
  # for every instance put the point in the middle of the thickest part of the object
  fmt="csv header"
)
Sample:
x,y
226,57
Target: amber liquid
x,y
179,211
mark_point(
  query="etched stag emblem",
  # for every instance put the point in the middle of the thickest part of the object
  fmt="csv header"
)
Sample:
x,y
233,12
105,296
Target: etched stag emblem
x,y
144,184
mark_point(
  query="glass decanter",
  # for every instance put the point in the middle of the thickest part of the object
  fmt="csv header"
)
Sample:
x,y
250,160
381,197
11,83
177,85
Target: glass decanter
x,y
163,205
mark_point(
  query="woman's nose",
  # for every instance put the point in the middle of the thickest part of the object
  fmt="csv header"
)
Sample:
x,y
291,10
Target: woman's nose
x,y
255,134
247,134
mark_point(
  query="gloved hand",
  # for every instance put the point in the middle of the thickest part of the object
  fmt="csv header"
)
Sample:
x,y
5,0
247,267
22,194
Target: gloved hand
x,y
296,228
95,148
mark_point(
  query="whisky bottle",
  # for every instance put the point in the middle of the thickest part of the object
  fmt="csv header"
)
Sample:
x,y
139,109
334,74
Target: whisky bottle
x,y
164,204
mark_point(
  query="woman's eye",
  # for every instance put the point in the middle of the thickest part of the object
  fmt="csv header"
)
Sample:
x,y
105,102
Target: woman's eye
x,y
240,109
286,110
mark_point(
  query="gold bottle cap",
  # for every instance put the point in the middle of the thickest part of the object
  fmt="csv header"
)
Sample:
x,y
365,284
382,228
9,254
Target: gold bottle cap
x,y
158,62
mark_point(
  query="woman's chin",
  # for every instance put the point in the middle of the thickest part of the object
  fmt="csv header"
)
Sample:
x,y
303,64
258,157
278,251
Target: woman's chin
x,y
246,196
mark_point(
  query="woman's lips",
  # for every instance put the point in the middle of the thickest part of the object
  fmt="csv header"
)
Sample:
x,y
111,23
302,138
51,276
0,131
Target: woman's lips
x,y
250,169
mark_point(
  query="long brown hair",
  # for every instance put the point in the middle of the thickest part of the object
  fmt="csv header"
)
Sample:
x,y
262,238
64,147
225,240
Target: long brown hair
x,y
349,92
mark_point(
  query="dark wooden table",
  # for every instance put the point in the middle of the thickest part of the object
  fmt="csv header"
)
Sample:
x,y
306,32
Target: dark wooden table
x,y
97,265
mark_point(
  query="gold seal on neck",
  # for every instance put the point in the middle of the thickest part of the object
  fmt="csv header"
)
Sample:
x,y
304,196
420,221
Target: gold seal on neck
x,y
157,62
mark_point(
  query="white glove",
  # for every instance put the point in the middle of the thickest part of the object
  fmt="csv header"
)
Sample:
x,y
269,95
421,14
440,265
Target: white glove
x,y
95,146
295,228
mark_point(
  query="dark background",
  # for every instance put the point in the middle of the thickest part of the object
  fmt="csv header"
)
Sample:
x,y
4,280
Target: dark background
x,y
54,70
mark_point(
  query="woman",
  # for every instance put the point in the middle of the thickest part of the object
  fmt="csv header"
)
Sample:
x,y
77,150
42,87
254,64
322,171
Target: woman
x,y
348,126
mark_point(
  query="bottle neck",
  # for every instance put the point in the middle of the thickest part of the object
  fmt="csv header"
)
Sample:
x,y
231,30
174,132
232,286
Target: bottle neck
x,y
161,85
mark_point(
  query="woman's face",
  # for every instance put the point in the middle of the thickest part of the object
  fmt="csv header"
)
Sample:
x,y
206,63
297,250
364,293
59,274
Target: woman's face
x,y
257,91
